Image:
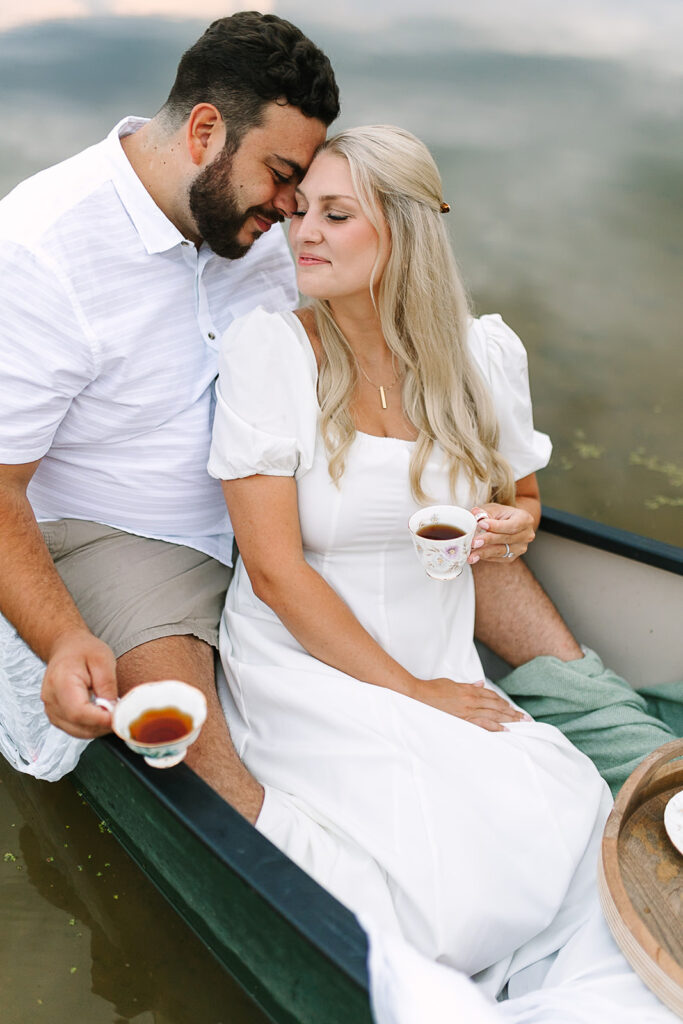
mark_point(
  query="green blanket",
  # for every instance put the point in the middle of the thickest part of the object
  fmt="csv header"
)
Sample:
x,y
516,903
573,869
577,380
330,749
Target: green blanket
x,y
598,711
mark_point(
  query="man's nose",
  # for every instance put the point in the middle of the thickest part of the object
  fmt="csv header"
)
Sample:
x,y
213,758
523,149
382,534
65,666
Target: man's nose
x,y
285,201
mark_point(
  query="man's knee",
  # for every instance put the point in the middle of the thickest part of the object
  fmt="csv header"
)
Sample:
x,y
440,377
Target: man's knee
x,y
184,657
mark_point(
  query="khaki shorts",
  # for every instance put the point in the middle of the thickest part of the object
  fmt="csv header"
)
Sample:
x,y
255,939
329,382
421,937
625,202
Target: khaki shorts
x,y
131,589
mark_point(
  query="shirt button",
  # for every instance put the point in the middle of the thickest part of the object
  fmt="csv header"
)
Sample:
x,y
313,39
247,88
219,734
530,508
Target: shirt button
x,y
212,336
184,242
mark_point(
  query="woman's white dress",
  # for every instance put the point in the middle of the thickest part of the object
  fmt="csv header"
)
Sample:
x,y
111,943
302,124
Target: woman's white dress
x,y
485,842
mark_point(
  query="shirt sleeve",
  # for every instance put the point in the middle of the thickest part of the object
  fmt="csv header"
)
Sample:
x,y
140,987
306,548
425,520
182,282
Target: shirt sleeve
x,y
266,406
45,355
501,358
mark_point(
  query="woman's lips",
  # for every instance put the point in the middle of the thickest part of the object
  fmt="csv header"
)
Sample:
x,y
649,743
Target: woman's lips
x,y
305,260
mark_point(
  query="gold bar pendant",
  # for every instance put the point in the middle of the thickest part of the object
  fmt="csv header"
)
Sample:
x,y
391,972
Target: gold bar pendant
x,y
383,397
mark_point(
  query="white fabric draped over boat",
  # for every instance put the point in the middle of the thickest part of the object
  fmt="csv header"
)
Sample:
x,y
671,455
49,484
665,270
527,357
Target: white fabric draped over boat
x,y
28,740
588,982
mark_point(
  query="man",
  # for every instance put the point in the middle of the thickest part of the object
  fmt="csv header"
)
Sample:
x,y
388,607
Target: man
x,y
120,270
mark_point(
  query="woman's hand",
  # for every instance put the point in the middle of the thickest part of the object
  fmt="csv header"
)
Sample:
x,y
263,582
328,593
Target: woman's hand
x,y
508,530
473,702
506,533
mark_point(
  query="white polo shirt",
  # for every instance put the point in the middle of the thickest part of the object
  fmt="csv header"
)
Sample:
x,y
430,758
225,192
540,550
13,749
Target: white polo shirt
x,y
109,327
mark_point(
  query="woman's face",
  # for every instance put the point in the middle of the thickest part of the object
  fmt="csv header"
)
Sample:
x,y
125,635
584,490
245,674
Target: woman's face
x,y
335,246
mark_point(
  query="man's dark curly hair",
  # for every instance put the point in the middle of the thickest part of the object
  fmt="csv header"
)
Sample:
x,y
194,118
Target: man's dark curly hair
x,y
246,61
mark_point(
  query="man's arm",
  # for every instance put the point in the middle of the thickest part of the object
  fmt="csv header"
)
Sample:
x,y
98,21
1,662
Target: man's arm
x,y
35,600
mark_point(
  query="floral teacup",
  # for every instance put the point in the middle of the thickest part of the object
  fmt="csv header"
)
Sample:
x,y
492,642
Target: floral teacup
x,y
160,720
442,535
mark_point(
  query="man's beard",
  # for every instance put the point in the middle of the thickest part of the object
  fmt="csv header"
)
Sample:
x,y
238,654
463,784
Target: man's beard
x,y
213,204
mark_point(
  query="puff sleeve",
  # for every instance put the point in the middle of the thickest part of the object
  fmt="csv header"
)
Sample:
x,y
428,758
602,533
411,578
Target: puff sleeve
x,y
266,407
502,360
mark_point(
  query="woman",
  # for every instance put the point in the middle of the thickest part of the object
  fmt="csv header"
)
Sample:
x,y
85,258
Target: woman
x,y
353,680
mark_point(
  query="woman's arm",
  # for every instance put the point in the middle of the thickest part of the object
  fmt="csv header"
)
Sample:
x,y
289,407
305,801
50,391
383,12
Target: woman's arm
x,y
265,517
264,514
514,526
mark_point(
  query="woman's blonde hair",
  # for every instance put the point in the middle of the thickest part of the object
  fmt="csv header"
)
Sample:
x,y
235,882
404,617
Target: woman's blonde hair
x,y
423,312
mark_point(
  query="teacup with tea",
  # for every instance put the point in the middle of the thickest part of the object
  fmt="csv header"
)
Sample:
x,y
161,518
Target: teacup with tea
x,y
443,535
160,720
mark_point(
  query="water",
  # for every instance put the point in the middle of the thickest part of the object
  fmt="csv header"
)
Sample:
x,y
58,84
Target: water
x,y
86,938
557,131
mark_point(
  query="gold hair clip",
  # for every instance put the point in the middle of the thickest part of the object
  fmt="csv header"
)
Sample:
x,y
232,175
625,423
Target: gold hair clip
x,y
445,208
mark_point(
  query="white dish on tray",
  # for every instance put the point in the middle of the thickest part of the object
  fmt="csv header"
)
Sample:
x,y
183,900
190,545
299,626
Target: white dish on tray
x,y
673,820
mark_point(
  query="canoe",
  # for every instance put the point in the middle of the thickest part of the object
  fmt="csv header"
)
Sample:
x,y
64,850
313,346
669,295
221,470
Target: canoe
x,y
297,951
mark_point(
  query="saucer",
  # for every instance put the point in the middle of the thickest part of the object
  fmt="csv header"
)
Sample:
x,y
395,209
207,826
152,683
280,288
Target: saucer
x,y
673,820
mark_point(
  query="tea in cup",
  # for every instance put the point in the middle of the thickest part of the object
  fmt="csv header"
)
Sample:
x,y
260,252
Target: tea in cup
x,y
443,535
160,720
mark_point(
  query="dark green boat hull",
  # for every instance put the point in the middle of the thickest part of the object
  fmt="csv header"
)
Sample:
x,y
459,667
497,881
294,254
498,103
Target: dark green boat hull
x,y
296,950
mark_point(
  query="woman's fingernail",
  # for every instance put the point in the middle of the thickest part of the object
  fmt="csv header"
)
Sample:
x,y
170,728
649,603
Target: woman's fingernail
x,y
479,543
473,559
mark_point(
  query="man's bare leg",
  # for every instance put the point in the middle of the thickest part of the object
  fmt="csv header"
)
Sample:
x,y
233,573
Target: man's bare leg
x,y
213,755
516,619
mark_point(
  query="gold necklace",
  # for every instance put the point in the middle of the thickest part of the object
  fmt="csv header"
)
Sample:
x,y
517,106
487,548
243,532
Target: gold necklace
x,y
381,387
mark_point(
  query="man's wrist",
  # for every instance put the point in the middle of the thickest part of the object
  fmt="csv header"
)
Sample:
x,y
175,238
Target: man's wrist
x,y
72,633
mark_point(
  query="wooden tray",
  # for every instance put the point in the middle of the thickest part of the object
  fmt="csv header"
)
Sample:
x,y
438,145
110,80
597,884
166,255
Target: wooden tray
x,y
640,875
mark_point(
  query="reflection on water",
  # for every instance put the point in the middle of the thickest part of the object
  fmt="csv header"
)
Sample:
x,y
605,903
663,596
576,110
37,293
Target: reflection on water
x,y
85,936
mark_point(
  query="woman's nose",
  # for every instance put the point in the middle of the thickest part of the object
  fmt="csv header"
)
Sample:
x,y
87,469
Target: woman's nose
x,y
308,227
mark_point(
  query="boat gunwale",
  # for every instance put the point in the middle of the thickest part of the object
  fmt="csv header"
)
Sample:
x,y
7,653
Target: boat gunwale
x,y
612,539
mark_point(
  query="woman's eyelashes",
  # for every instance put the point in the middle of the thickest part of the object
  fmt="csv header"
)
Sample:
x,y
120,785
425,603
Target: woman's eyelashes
x,y
336,218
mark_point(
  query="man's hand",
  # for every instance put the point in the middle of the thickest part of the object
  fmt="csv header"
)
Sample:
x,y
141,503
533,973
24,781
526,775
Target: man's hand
x,y
79,667
39,606
473,702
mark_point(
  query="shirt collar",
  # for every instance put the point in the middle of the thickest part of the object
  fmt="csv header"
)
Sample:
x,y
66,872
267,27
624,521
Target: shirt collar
x,y
156,231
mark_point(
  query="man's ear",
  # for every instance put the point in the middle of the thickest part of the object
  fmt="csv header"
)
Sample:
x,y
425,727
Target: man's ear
x,y
205,133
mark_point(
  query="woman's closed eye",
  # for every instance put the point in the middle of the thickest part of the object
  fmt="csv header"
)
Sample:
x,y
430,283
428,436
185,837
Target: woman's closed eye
x,y
336,218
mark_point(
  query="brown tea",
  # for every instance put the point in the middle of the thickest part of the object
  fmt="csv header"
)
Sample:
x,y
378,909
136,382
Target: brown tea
x,y
161,725
440,531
